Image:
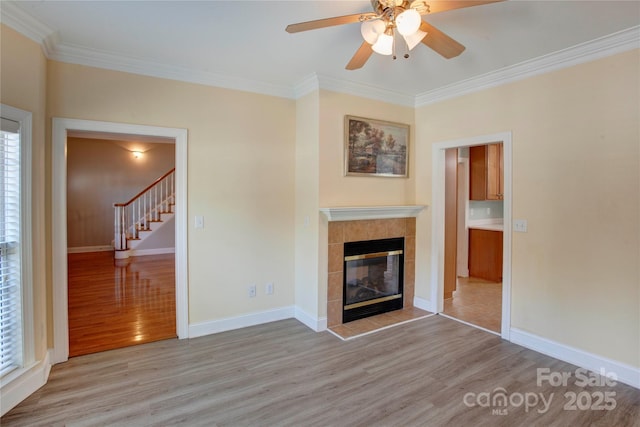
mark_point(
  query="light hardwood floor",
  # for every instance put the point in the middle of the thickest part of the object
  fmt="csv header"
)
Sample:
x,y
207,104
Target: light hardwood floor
x,y
284,374
476,301
113,305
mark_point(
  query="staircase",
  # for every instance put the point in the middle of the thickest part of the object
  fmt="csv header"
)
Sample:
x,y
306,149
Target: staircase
x,y
145,213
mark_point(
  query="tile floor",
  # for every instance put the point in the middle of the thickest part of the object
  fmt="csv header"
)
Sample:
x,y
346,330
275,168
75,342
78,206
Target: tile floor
x,y
381,321
476,301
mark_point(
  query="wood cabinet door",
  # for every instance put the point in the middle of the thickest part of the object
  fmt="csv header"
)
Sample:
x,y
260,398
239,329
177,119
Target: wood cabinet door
x,y
494,172
485,254
478,173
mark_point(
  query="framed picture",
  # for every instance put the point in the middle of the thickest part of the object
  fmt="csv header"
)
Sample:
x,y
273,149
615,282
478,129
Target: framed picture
x,y
375,147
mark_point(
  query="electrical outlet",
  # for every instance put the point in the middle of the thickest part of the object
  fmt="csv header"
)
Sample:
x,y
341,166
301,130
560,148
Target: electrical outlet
x,y
268,289
520,225
252,291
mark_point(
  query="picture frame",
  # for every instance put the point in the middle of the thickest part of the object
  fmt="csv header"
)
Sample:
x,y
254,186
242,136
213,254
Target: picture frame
x,y
375,147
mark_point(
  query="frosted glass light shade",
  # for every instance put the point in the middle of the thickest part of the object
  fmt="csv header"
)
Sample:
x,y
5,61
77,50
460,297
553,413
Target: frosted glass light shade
x,y
408,22
384,45
371,30
415,38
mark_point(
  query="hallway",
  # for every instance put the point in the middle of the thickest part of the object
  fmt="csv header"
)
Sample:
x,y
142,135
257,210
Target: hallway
x,y
113,306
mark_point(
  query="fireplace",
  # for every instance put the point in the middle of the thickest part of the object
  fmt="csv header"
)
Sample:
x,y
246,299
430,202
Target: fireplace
x,y
373,277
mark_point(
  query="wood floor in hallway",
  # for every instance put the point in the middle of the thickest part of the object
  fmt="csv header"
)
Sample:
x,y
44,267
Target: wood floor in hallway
x,y
476,301
119,304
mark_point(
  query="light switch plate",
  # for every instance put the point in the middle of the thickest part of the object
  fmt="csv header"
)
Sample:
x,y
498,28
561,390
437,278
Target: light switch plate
x,y
520,225
199,221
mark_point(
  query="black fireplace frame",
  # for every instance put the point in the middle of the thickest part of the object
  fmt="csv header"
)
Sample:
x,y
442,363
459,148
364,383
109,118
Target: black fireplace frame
x,y
372,247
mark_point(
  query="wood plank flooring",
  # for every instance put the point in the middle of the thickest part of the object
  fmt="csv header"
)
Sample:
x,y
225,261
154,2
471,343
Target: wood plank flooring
x,y
117,305
476,301
284,374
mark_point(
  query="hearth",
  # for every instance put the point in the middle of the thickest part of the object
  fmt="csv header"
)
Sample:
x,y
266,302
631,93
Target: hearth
x,y
373,277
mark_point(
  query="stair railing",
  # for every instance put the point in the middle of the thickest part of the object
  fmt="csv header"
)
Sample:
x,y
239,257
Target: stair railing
x,y
145,207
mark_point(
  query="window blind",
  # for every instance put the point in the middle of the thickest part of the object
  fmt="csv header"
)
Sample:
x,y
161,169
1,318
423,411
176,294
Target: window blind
x,y
10,248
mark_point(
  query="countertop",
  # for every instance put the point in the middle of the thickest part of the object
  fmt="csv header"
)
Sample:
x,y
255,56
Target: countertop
x,y
489,225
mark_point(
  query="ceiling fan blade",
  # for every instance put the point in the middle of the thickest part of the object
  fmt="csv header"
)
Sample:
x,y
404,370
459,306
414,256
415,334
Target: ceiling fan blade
x,y
436,6
360,57
440,42
328,22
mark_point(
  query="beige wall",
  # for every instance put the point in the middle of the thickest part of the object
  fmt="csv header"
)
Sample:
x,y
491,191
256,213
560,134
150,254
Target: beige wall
x,y
307,204
576,143
23,86
101,173
240,177
336,189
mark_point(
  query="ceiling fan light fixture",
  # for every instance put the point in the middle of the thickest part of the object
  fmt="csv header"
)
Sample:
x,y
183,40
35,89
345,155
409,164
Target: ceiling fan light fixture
x,y
371,30
384,45
414,39
408,22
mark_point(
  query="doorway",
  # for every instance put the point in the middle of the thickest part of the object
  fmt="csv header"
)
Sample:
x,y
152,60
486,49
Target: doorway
x,y
441,251
115,302
61,129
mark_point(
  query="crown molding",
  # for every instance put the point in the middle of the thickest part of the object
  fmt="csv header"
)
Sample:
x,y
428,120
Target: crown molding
x,y
28,26
365,91
618,42
309,84
16,18
116,62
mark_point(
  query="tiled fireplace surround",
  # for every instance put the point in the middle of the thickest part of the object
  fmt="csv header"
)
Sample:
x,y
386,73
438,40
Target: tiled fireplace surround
x,y
340,232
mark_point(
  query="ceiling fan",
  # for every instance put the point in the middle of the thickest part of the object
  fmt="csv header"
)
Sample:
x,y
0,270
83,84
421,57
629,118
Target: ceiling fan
x,y
391,18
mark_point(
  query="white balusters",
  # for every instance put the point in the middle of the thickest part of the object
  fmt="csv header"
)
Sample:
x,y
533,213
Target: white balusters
x,y
146,207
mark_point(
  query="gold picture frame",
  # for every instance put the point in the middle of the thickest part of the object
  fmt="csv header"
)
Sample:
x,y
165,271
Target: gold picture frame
x,y
375,148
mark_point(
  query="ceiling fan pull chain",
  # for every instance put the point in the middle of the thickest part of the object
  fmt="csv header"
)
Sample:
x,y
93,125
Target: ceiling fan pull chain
x,y
393,48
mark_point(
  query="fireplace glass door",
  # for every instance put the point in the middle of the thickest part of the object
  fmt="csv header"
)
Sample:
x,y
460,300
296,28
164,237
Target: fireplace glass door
x,y
373,272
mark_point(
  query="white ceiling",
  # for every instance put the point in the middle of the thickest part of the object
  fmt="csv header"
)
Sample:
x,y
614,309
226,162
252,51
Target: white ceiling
x,y
243,44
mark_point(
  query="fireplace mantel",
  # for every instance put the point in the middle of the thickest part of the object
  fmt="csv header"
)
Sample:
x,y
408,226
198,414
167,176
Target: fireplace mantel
x,y
371,212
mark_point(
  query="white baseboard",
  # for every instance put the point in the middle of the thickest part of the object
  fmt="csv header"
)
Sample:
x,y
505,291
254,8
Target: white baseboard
x,y
16,388
311,322
423,304
625,373
155,251
84,249
231,323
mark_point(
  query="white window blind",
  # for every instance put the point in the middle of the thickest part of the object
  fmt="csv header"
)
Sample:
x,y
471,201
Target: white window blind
x,y
11,344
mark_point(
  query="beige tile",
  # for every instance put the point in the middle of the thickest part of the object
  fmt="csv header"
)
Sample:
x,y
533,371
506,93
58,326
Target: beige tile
x,y
408,295
409,273
396,227
478,302
377,229
334,286
334,313
336,232
411,227
362,326
409,248
343,331
374,323
336,257
356,231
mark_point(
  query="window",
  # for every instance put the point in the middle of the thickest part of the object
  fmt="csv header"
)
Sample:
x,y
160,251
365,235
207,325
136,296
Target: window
x,y
15,241
10,301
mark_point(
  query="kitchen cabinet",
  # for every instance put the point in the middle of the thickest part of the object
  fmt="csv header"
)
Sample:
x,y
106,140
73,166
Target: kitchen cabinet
x,y
486,180
485,254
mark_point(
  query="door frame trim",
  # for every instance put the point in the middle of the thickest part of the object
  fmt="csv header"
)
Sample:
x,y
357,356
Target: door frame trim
x,y
437,225
60,127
